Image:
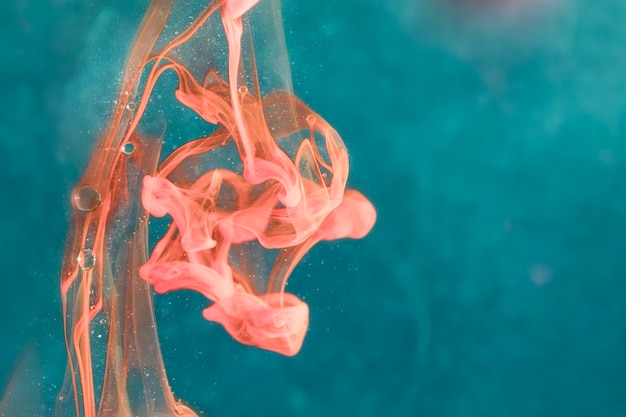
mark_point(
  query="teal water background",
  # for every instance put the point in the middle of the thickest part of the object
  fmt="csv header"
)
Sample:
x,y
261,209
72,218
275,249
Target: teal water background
x,y
491,139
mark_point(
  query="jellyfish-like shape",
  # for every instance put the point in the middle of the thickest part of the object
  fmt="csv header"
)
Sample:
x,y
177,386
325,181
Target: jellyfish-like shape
x,y
248,197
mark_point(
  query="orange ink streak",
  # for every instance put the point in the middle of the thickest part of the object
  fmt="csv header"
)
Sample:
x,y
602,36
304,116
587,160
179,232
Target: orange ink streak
x,y
287,194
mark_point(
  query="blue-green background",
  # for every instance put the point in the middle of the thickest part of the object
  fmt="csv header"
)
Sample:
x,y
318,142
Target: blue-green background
x,y
491,139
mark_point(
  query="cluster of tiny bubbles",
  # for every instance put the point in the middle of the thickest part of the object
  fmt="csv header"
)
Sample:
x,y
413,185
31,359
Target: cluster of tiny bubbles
x,y
87,198
243,89
128,148
86,259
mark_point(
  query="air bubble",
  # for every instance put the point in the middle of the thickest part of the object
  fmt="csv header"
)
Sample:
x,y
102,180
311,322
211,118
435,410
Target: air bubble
x,y
131,106
243,89
87,198
311,119
128,148
86,259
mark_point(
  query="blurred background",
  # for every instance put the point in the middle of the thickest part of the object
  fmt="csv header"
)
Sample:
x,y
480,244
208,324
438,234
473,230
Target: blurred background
x,y
490,135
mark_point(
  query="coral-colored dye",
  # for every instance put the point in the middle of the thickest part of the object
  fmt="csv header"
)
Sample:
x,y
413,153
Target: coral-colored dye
x,y
282,193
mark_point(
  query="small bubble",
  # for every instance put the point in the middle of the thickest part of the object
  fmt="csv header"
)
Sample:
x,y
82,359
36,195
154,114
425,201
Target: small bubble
x,y
128,148
131,106
86,259
243,89
87,198
311,119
